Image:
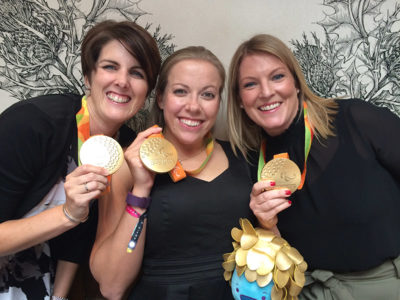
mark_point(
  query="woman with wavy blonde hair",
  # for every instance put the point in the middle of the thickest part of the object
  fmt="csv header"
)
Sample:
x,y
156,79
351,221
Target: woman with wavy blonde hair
x,y
244,133
342,213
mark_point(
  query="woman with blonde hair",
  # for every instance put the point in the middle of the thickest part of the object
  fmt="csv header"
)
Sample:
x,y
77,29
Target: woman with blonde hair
x,y
343,216
178,254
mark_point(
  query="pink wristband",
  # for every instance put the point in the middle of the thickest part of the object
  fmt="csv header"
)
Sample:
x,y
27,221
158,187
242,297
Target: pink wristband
x,y
132,211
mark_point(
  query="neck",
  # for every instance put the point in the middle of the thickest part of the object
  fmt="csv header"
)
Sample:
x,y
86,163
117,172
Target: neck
x,y
97,126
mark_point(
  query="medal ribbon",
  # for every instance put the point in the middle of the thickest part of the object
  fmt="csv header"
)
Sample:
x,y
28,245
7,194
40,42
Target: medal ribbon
x,y
178,173
308,137
82,123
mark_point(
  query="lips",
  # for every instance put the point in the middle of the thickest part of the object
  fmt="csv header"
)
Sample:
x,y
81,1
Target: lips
x,y
269,107
118,98
190,123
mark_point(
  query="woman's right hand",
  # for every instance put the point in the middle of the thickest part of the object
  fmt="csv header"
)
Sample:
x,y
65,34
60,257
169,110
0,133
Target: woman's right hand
x,y
143,178
82,185
266,202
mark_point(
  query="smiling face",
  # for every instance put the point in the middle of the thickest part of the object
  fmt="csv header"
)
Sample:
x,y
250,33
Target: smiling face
x,y
268,92
118,88
190,102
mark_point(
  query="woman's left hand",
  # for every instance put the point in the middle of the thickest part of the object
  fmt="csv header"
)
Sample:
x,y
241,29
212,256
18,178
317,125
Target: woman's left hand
x,y
143,178
82,185
267,202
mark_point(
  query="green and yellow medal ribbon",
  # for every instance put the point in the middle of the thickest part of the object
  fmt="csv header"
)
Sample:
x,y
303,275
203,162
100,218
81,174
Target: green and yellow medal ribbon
x,y
83,126
308,137
178,173
82,123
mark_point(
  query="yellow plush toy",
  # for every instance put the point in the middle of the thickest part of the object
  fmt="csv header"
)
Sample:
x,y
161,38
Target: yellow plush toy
x,y
262,265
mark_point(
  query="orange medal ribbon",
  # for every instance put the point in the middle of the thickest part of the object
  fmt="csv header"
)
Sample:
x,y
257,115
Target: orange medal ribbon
x,y
178,173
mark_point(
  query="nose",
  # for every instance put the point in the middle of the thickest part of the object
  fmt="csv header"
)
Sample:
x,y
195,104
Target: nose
x,y
121,79
266,90
193,103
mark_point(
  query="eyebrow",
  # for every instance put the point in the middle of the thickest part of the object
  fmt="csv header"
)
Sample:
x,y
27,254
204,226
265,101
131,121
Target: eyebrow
x,y
186,86
116,63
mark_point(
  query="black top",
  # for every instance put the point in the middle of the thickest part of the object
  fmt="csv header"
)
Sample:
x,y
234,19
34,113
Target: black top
x,y
38,138
346,217
188,231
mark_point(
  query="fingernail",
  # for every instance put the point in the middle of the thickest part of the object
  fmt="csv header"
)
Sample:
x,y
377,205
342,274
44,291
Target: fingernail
x,y
288,192
272,183
290,202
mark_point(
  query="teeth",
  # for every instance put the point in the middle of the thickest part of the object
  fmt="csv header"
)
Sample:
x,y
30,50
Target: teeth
x,y
117,98
190,123
269,107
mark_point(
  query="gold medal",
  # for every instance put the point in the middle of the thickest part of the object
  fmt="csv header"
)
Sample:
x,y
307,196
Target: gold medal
x,y
284,172
158,154
102,151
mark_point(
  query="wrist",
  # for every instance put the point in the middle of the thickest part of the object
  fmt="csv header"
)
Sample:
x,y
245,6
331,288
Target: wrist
x,y
58,298
137,202
72,218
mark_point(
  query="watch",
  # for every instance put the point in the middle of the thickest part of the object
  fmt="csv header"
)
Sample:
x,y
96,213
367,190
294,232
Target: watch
x,y
142,202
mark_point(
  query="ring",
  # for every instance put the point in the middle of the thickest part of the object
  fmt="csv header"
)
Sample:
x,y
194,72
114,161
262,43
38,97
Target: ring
x,y
86,188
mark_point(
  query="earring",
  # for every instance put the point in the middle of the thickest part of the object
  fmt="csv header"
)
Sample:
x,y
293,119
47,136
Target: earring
x,y
241,105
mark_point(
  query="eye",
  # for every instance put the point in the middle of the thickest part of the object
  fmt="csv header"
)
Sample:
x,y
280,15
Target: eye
x,y
137,73
278,76
208,95
237,290
109,67
179,92
249,84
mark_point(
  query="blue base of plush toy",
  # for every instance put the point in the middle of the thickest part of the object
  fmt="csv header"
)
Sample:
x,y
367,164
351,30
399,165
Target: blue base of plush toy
x,y
244,290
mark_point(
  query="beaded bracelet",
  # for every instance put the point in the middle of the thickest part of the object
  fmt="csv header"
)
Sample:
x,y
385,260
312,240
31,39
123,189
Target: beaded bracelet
x,y
71,218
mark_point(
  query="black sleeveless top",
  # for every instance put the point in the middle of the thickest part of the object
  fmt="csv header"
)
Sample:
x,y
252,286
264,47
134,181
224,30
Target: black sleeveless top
x,y
188,231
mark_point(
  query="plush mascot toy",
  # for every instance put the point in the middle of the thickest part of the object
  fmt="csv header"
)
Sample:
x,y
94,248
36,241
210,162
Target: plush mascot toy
x,y
262,265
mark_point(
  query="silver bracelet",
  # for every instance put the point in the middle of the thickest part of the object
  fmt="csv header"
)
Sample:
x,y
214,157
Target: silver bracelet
x,y
71,218
58,298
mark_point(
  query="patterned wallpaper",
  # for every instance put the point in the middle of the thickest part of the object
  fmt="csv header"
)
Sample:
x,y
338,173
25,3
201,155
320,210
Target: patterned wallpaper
x,y
350,49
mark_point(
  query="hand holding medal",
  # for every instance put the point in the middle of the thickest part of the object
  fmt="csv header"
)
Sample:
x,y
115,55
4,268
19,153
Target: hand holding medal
x,y
158,154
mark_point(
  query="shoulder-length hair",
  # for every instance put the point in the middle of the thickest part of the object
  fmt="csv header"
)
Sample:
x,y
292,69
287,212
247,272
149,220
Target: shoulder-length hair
x,y
246,135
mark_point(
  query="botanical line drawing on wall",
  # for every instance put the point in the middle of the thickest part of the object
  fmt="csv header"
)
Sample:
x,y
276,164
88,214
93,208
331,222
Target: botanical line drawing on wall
x,y
40,43
360,57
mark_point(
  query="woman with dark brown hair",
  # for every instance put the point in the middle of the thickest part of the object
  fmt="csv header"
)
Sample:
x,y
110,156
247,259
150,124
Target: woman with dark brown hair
x,y
44,190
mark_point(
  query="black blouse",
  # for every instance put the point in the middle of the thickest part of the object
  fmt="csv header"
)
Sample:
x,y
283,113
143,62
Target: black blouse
x,y
346,217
